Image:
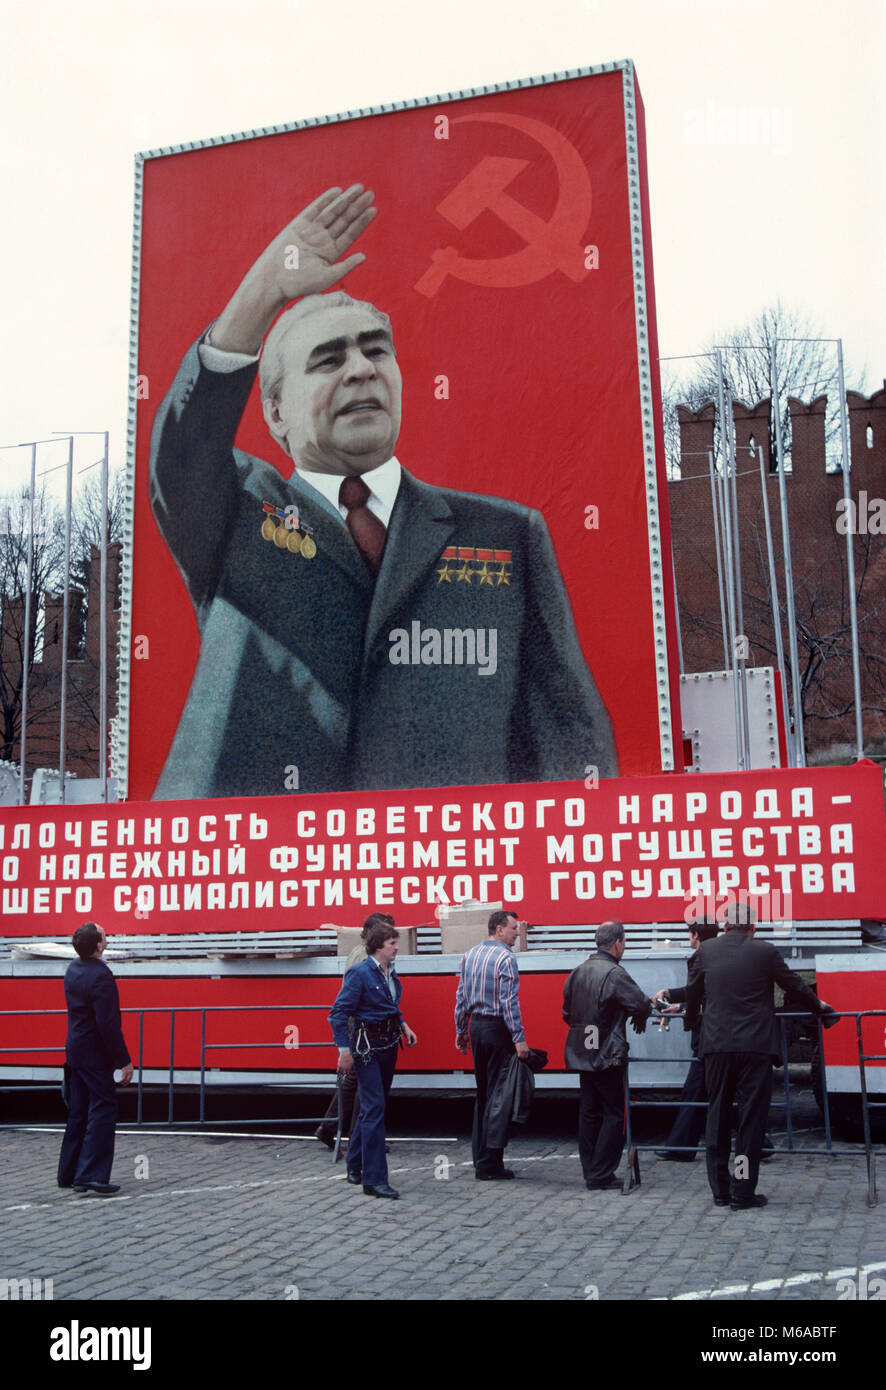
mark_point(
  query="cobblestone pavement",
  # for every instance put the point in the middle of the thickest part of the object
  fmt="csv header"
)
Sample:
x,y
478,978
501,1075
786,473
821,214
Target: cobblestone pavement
x,y
245,1217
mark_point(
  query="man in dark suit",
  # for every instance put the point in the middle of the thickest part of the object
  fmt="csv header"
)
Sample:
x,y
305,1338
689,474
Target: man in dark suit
x,y
349,613
735,975
598,998
95,1047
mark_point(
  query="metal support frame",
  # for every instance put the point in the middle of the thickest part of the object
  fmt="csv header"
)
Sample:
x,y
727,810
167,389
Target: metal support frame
x,y
66,621
26,645
773,581
798,738
29,598
736,664
850,555
103,609
718,549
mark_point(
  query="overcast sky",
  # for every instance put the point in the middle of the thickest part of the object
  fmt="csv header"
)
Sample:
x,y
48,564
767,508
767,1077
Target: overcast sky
x,y
765,122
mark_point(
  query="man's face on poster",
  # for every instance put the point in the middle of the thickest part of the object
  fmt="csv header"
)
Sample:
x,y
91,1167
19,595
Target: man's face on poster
x,y
339,401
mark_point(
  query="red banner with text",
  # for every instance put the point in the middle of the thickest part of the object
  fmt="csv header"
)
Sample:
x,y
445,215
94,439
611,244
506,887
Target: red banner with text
x,y
805,844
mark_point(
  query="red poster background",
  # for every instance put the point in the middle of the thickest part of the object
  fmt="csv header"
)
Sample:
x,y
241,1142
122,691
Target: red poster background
x,y
544,402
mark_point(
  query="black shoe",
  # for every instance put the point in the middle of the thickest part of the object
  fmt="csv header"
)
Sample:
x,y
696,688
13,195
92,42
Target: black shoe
x,y
758,1200
355,1176
604,1185
502,1175
381,1189
671,1156
325,1138
722,1201
67,1185
100,1189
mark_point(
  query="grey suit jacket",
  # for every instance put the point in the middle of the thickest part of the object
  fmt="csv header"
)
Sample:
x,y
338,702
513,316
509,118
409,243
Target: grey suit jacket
x,y
294,667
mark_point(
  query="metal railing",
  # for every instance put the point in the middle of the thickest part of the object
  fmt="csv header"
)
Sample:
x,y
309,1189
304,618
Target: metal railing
x,y
632,1179
205,1048
632,1176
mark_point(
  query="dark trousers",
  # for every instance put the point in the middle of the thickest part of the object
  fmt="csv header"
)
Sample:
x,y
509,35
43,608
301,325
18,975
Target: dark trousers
x,y
601,1122
366,1149
350,1109
87,1153
492,1048
689,1125
746,1079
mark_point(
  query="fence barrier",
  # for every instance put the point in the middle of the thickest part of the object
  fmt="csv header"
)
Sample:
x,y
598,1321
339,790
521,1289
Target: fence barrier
x,y
632,1176
205,1047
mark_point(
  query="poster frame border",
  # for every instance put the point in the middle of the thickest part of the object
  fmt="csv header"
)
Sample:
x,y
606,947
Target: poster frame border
x,y
120,748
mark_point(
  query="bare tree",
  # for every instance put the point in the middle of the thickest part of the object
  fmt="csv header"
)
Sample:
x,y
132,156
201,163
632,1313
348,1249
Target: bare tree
x,y
807,368
86,523
47,570
47,587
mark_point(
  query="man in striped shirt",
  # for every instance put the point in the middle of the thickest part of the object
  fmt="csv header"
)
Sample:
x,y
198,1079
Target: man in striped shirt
x,y
488,981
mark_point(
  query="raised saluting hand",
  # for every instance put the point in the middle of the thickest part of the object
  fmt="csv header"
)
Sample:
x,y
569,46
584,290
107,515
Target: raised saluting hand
x,y
307,257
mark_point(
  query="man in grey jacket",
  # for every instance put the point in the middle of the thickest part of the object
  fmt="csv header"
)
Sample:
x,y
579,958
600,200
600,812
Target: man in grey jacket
x,y
598,998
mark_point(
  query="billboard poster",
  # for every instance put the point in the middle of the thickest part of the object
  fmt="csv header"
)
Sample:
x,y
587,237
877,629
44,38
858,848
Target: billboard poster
x,y
396,517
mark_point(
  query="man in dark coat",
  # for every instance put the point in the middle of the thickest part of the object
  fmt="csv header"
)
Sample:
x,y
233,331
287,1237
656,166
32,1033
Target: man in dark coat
x,y
95,1047
598,998
349,612
735,975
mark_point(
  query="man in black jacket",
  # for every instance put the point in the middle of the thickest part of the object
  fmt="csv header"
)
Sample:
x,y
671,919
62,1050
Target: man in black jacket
x,y
598,998
735,974
95,1046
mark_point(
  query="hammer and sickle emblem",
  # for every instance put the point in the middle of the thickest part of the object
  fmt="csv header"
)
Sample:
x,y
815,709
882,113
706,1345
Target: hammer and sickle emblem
x,y
550,245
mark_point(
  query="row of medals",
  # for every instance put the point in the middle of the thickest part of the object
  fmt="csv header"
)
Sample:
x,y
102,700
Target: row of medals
x,y
292,541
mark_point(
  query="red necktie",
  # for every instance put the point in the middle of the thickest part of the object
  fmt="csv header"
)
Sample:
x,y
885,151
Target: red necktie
x,y
368,532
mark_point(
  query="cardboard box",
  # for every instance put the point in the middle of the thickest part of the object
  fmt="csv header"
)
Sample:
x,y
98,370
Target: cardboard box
x,y
349,937
464,927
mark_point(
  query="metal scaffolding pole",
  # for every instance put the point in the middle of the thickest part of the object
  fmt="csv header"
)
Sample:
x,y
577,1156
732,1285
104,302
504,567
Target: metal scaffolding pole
x,y
797,691
103,633
26,644
850,555
677,611
718,544
773,582
739,596
730,569
718,550
103,612
66,619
